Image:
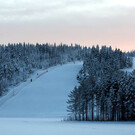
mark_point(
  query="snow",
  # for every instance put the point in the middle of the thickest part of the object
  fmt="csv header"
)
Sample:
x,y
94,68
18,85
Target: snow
x,y
45,96
38,107
129,70
14,90
17,126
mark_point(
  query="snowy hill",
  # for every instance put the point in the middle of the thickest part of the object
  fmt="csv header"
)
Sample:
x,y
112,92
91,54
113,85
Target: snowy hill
x,y
44,97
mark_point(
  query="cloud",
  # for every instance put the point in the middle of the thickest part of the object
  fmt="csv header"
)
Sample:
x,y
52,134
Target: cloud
x,y
29,10
26,10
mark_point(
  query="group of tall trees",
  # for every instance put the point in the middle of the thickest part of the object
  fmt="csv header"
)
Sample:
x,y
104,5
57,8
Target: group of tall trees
x,y
18,61
104,92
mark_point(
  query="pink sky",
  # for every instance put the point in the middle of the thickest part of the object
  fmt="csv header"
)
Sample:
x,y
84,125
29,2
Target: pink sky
x,y
85,22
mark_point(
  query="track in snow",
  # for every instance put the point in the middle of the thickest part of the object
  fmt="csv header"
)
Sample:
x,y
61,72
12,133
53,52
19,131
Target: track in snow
x,y
45,97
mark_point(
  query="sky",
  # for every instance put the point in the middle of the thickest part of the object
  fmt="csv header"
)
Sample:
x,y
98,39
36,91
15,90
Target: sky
x,y
85,22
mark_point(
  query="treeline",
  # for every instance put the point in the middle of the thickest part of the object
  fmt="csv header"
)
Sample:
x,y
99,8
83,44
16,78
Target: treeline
x,y
104,93
131,54
18,61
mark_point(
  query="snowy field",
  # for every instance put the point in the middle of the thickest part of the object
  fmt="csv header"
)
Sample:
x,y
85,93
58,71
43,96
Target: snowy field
x,y
39,107
17,126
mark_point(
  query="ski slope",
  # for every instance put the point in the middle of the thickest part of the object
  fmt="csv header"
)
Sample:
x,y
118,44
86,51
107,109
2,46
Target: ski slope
x,y
44,97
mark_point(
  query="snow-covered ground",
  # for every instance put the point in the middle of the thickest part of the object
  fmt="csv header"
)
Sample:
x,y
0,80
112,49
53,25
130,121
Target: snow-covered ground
x,y
38,108
37,126
45,96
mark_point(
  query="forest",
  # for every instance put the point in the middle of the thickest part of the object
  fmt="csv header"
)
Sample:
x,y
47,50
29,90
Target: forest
x,y
104,92
19,61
